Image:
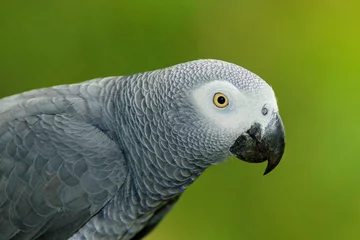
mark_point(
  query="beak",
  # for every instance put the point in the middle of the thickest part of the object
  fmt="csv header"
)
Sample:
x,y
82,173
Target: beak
x,y
256,146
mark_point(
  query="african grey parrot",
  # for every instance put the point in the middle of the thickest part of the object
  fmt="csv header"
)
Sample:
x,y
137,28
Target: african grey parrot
x,y
108,158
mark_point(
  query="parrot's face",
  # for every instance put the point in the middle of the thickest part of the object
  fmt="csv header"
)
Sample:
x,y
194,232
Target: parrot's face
x,y
228,110
250,122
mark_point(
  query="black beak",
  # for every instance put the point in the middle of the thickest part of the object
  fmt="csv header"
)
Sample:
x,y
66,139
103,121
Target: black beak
x,y
256,146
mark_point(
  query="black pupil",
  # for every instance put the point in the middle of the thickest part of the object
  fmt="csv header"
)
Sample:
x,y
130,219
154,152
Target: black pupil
x,y
221,100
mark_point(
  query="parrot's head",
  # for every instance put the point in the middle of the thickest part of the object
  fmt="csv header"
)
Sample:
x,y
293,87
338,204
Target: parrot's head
x,y
221,109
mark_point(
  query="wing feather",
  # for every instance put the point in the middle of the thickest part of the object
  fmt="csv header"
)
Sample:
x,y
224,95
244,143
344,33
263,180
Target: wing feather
x,y
53,164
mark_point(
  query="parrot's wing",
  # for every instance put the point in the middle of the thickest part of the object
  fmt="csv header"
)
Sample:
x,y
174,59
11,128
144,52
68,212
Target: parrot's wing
x,y
156,218
56,170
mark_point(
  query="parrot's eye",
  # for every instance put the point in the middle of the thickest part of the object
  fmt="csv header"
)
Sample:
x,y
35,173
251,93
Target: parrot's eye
x,y
220,100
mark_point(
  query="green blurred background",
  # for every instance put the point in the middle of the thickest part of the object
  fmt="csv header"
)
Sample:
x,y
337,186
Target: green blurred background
x,y
307,50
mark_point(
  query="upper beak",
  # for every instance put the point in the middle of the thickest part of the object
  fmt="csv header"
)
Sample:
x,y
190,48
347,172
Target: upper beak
x,y
256,146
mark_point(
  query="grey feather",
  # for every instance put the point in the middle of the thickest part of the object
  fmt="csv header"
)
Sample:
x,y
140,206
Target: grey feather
x,y
156,218
53,163
108,158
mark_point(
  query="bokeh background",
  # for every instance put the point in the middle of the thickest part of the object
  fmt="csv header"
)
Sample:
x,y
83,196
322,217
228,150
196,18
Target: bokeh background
x,y
307,50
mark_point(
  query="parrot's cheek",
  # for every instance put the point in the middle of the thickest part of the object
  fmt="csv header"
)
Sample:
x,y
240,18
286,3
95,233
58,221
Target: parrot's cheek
x,y
256,147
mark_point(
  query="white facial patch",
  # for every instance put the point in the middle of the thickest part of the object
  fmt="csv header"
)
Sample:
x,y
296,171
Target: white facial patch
x,y
235,117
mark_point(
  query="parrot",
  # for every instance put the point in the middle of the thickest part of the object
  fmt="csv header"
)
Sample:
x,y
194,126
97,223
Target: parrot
x,y
108,158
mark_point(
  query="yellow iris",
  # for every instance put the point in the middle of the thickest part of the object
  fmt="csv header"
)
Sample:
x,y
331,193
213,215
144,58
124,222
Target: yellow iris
x,y
220,100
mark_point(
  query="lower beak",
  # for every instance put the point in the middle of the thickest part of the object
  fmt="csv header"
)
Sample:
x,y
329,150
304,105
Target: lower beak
x,y
256,147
